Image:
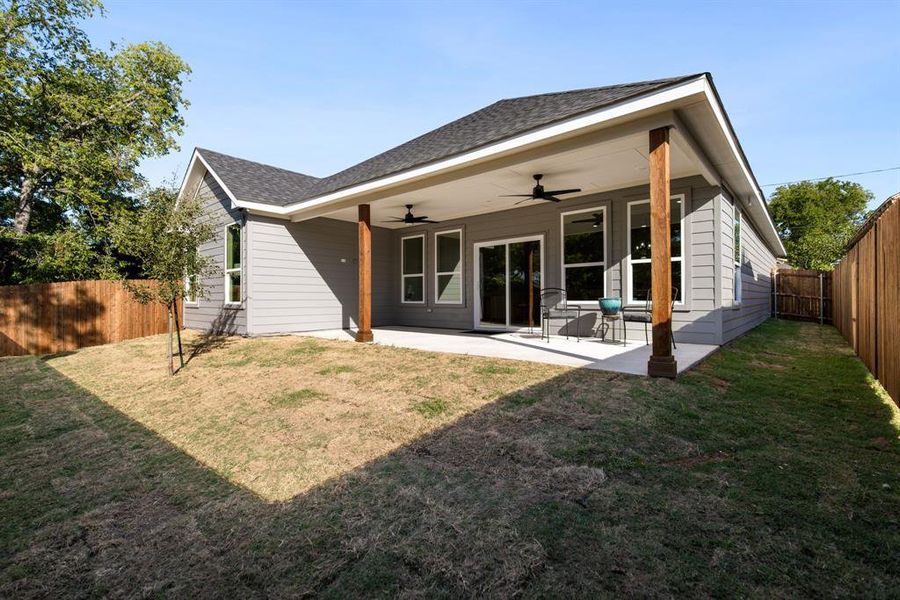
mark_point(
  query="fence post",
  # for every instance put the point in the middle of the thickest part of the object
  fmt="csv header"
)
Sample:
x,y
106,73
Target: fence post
x,y
775,293
821,300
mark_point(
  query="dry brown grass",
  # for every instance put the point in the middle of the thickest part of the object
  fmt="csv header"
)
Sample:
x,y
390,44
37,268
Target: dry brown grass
x,y
292,467
280,415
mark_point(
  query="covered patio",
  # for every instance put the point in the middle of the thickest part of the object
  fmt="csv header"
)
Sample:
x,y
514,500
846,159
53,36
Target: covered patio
x,y
588,352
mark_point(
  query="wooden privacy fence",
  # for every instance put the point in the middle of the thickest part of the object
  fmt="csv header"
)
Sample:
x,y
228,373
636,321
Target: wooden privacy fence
x,y
45,318
867,295
802,295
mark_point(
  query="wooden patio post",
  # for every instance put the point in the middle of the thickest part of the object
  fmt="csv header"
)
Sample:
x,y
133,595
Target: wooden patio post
x,y
661,363
364,323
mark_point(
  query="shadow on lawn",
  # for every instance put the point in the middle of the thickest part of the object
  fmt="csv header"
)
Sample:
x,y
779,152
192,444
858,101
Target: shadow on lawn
x,y
552,490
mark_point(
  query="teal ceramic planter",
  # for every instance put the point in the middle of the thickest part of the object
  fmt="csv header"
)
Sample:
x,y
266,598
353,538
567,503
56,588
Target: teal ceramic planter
x,y
610,306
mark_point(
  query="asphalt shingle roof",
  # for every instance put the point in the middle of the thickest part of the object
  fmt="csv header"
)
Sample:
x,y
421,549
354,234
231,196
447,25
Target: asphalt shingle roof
x,y
254,182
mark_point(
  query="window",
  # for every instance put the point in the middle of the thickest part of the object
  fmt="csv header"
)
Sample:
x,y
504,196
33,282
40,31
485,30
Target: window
x,y
412,268
233,264
584,254
738,256
448,267
639,248
190,290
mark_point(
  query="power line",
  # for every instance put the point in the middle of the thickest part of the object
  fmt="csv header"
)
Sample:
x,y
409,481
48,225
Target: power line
x,y
833,176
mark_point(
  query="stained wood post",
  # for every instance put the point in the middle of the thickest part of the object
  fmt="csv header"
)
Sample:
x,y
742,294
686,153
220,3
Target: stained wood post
x,y
364,323
661,363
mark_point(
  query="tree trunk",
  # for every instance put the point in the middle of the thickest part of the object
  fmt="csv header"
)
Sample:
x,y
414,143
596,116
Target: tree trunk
x,y
169,352
178,333
23,206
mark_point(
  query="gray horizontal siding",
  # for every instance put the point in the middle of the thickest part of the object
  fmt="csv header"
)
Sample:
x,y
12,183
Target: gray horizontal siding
x,y
210,312
696,321
304,276
755,272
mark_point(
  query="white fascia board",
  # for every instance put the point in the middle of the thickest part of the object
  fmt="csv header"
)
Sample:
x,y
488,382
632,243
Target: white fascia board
x,y
197,161
695,86
739,157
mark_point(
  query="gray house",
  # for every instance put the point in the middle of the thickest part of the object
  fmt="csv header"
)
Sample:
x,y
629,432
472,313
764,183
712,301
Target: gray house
x,y
452,230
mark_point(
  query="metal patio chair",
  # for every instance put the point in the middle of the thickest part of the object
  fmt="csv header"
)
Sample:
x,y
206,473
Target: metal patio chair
x,y
554,306
644,315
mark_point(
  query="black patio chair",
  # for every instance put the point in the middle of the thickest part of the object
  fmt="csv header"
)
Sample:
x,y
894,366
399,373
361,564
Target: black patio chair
x,y
644,315
554,306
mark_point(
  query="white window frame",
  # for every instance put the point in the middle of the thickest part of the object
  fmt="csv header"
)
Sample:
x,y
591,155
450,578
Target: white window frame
x,y
459,271
476,269
629,271
239,270
562,252
188,300
403,275
738,284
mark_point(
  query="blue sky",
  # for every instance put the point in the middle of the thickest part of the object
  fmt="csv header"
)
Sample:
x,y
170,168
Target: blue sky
x,y
813,89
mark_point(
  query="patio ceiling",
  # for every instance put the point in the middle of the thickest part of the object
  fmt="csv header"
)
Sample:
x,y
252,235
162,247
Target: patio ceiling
x,y
595,166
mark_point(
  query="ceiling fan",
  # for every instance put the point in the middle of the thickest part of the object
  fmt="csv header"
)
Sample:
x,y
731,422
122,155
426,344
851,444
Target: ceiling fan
x,y
409,219
596,220
539,193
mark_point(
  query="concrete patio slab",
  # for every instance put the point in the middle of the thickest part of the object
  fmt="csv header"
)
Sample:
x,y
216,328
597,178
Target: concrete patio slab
x,y
590,353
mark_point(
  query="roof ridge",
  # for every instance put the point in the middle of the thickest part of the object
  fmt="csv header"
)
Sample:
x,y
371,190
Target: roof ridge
x,y
667,80
256,162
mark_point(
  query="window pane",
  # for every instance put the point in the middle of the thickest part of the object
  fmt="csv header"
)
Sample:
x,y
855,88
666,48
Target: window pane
x,y
675,224
413,288
412,255
583,238
233,247
640,281
448,252
640,231
233,293
449,288
584,283
737,237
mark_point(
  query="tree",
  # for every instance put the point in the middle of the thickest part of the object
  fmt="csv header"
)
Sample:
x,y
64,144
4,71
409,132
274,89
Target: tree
x,y
76,121
165,239
816,219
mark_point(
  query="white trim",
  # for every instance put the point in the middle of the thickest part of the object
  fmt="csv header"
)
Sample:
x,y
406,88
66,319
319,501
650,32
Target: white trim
x,y
737,286
562,252
403,275
184,182
629,296
227,271
460,271
191,303
476,271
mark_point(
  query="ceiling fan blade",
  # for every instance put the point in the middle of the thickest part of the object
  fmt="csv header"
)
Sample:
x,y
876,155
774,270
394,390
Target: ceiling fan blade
x,y
555,192
394,220
586,221
428,221
516,196
524,200
550,198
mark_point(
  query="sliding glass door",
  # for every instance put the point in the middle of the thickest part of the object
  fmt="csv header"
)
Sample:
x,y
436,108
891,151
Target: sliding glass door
x,y
508,283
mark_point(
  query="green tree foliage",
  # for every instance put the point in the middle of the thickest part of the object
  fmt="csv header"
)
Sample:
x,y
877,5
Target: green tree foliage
x,y
164,239
75,121
816,219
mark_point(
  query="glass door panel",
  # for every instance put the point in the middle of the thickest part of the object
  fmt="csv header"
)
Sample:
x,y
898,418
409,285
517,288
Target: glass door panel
x,y
492,284
524,283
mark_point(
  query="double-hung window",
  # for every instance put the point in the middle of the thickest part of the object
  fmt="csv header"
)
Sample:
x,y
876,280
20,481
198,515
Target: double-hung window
x,y
190,290
738,255
584,254
639,268
412,269
448,267
233,264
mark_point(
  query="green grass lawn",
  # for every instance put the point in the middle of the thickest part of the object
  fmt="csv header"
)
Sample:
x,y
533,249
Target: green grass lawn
x,y
290,466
